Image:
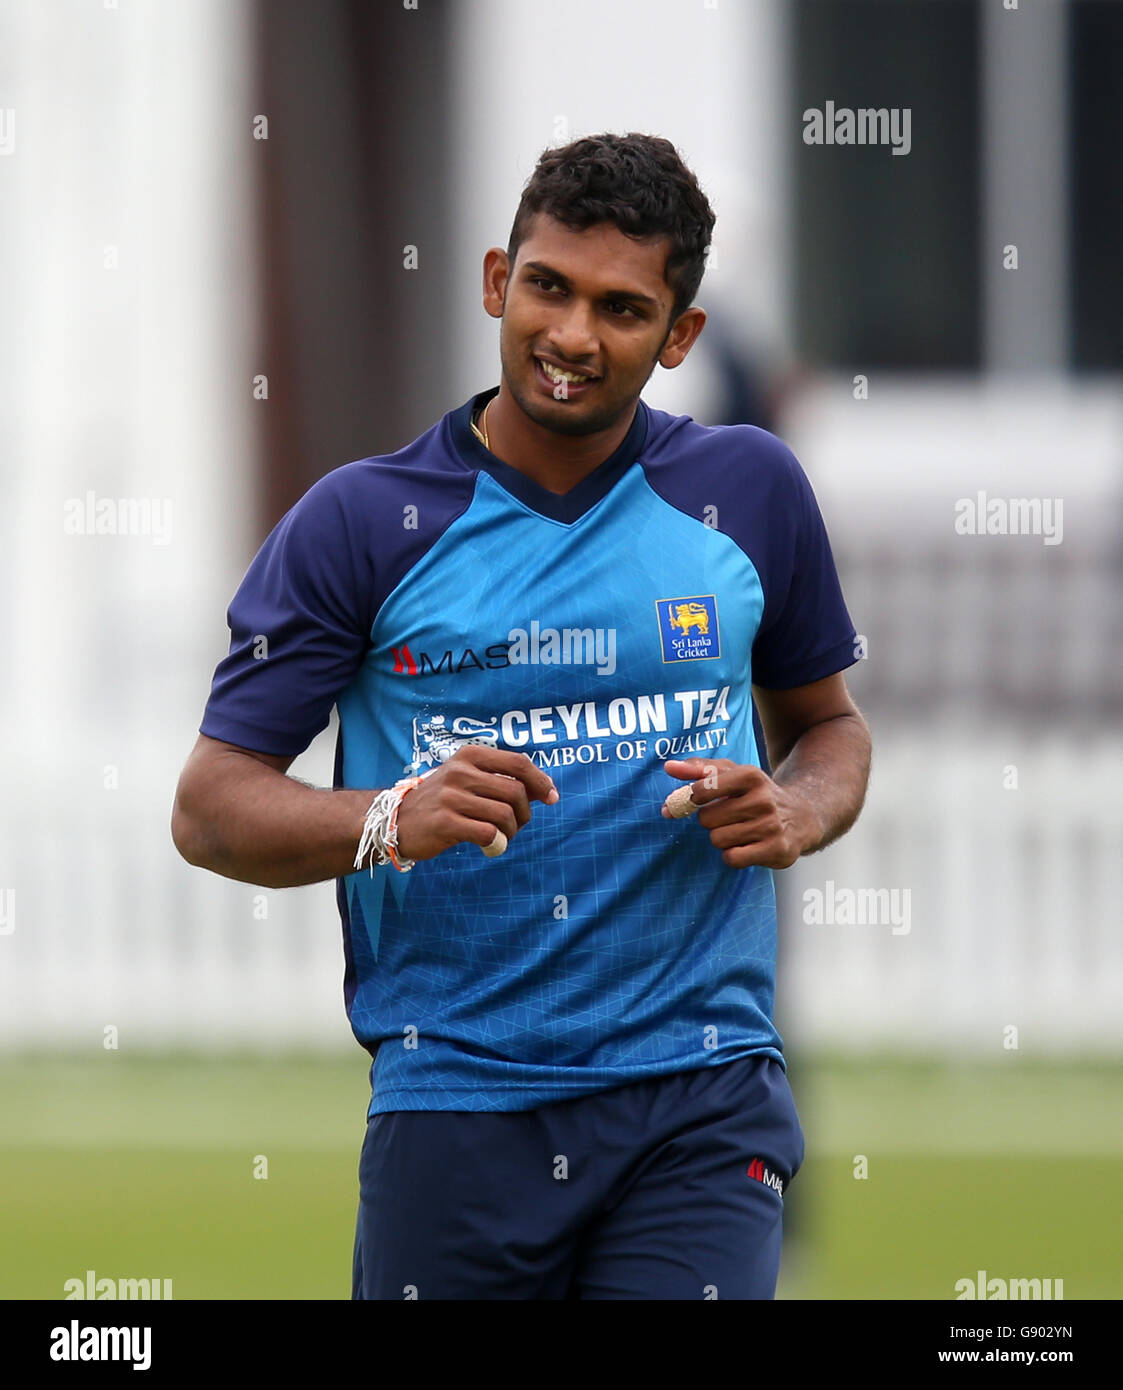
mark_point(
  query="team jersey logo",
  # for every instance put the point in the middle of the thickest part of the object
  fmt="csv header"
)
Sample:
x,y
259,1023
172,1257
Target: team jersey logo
x,y
688,628
435,740
450,662
759,1170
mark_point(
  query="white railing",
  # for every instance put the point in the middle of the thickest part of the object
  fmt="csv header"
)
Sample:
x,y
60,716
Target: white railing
x,y
1013,918
1013,910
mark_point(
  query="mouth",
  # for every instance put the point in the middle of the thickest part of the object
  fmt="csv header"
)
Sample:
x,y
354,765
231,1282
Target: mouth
x,y
551,377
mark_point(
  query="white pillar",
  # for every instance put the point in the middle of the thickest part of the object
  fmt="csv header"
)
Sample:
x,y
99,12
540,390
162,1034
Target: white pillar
x,y
125,279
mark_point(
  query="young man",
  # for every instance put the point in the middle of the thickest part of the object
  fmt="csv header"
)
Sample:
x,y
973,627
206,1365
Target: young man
x,y
562,599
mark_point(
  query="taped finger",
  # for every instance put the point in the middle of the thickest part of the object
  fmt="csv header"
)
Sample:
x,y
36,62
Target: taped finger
x,y
497,846
680,803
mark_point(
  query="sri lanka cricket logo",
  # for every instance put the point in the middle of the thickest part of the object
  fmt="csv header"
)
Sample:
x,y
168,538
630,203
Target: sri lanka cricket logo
x,y
688,628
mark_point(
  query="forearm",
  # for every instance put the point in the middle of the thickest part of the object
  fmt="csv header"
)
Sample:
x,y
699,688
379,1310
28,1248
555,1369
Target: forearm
x,y
257,825
828,769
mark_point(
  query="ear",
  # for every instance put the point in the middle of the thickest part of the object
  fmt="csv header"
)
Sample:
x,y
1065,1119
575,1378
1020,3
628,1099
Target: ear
x,y
682,337
496,270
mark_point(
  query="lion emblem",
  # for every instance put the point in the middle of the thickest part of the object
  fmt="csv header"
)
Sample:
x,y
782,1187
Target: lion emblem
x,y
435,741
690,615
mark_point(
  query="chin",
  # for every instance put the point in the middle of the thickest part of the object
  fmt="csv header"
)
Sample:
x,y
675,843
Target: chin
x,y
561,418
569,423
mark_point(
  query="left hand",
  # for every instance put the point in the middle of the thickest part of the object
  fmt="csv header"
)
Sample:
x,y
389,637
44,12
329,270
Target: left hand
x,y
751,818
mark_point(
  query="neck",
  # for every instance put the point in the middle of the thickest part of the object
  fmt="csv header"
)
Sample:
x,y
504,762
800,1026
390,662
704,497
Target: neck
x,y
557,462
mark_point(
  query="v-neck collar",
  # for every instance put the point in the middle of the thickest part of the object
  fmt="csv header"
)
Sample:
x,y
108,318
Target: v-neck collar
x,y
566,507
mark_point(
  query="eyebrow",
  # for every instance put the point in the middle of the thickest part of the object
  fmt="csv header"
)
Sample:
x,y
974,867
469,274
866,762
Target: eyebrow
x,y
634,295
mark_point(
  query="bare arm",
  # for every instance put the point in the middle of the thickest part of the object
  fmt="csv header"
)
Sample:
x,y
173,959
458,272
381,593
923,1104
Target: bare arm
x,y
238,814
819,749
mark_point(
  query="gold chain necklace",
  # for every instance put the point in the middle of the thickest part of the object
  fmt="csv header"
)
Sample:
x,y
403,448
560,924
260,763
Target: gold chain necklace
x,y
482,437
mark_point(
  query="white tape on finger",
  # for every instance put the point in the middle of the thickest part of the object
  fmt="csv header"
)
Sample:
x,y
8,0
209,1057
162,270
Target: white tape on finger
x,y
497,846
680,803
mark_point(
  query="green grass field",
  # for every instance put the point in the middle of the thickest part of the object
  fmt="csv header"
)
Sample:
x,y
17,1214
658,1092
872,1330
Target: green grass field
x,y
142,1168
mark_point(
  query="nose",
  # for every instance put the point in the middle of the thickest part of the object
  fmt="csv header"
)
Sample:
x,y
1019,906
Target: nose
x,y
573,334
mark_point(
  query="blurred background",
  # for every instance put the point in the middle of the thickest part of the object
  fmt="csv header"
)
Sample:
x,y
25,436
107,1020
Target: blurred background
x,y
241,245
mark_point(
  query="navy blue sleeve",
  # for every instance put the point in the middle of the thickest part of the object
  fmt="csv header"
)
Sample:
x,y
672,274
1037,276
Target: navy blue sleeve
x,y
299,628
761,497
805,633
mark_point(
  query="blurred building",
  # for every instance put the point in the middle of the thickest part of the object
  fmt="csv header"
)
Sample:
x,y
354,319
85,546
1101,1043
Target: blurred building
x,y
242,246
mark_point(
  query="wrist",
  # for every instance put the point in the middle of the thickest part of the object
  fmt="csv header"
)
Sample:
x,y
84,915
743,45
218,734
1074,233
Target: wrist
x,y
806,825
815,831
378,842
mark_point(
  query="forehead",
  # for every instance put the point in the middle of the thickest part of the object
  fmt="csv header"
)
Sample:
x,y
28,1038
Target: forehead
x,y
599,258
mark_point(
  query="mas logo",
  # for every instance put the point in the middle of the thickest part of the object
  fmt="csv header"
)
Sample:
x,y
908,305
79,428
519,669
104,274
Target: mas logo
x,y
688,628
760,1170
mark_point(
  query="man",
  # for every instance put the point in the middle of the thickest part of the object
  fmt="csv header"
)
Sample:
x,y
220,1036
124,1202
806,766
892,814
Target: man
x,y
557,598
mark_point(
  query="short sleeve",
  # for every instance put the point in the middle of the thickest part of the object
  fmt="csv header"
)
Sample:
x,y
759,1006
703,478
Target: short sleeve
x,y
805,633
299,629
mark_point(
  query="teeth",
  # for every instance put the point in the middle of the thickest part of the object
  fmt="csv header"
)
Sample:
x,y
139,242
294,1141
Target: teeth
x,y
556,374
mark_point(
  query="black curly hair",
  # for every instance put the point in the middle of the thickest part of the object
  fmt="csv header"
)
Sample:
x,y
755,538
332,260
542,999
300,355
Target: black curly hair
x,y
637,182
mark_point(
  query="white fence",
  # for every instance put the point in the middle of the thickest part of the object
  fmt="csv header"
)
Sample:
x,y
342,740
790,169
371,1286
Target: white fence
x,y
112,928
1012,918
1009,849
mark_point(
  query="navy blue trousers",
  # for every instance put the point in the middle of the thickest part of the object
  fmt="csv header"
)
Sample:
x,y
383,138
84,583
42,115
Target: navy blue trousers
x,y
669,1188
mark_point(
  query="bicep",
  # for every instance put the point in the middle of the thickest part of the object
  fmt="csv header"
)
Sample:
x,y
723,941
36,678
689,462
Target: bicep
x,y
785,715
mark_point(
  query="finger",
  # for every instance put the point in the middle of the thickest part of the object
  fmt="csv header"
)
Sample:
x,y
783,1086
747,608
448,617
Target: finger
x,y
765,831
497,786
467,830
539,786
744,857
680,804
684,801
748,810
720,809
497,846
693,769
715,778
495,815
751,856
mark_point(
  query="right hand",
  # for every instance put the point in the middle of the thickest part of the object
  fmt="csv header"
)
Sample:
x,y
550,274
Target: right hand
x,y
465,801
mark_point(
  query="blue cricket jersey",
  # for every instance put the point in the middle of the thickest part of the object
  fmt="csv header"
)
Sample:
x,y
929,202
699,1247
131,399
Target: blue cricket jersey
x,y
440,597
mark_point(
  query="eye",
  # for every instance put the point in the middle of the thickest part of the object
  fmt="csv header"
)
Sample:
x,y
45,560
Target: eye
x,y
620,304
542,281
